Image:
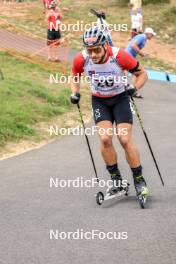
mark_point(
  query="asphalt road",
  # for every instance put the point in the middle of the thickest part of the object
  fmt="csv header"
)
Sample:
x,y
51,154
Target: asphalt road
x,y
30,209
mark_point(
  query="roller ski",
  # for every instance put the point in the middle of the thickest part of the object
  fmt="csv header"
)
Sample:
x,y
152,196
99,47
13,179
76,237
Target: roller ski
x,y
141,190
116,190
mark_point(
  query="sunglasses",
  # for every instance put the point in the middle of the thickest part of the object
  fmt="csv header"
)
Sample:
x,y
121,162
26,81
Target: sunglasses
x,y
95,50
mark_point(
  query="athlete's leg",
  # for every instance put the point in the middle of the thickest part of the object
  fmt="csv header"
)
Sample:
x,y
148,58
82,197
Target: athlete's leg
x,y
55,50
103,116
133,158
125,138
124,120
49,50
105,132
57,36
49,44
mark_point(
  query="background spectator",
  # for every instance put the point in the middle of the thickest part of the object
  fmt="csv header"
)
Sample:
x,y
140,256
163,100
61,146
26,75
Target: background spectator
x,y
136,4
54,35
136,23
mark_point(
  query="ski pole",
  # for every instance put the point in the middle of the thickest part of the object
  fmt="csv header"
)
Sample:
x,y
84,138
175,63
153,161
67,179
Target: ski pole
x,y
98,15
103,26
146,137
88,144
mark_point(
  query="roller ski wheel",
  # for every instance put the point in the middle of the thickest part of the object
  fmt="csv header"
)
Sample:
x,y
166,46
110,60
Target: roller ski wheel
x,y
126,189
142,197
99,198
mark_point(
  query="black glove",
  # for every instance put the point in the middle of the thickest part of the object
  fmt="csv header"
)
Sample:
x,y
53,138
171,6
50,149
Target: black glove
x,y
74,98
131,90
101,15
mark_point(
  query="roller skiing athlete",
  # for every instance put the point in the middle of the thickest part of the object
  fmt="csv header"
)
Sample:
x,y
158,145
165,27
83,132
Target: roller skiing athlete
x,y
111,102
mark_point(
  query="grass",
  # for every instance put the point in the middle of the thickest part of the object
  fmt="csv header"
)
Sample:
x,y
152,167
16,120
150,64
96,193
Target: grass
x,y
163,21
26,101
156,64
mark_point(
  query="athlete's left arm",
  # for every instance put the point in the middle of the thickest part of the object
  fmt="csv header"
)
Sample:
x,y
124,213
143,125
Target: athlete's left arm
x,y
141,76
127,62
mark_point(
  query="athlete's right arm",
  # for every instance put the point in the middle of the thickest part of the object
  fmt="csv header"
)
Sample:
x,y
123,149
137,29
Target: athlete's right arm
x,y
75,84
77,70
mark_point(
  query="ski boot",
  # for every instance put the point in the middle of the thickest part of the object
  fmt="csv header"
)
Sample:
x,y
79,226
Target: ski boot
x,y
141,190
116,185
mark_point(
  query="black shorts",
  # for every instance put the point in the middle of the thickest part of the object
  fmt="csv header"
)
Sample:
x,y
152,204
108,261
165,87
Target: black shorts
x,y
116,108
53,34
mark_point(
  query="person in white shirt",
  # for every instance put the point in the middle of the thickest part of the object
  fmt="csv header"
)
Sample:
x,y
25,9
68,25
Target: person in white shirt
x,y
136,4
136,23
